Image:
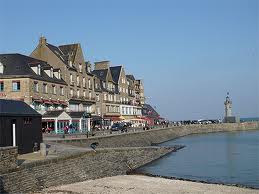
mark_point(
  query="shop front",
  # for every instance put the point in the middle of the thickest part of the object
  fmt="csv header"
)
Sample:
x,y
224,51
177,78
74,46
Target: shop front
x,y
56,122
80,121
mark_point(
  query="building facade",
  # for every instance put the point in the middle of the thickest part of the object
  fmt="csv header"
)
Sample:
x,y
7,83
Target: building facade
x,y
74,71
58,78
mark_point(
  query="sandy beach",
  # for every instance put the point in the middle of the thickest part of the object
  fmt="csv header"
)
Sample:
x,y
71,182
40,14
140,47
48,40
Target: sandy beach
x,y
138,184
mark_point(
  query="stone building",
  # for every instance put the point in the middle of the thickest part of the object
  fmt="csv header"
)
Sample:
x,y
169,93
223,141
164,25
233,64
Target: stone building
x,y
57,78
32,81
108,103
74,71
118,92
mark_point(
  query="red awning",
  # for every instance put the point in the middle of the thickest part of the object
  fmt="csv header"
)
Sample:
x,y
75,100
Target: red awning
x,y
47,102
63,103
55,102
37,100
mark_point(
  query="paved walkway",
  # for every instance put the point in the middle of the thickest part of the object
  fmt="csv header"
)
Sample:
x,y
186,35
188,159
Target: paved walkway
x,y
135,184
54,150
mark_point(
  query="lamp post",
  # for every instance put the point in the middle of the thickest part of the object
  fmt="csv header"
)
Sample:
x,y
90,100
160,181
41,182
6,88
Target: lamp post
x,y
85,127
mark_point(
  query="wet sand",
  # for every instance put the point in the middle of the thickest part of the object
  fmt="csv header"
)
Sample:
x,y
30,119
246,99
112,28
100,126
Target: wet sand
x,y
138,184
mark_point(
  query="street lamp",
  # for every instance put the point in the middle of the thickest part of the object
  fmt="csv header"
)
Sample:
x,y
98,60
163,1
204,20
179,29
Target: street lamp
x,y
86,115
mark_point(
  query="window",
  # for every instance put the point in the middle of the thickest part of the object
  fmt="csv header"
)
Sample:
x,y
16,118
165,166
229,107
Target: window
x,y
84,85
71,92
45,88
84,93
98,111
59,74
27,121
1,68
61,90
71,79
90,95
38,70
77,81
1,86
51,72
80,67
97,97
78,93
16,86
36,87
54,89
89,84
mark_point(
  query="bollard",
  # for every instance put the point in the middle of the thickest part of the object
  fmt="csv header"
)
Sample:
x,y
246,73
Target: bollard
x,y
43,150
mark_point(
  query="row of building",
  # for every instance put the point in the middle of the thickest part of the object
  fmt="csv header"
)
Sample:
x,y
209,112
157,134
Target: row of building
x,y
60,84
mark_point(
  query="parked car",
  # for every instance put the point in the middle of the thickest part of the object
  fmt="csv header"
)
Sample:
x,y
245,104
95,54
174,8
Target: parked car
x,y
119,127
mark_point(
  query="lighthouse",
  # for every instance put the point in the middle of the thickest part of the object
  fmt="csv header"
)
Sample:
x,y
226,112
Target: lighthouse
x,y
229,118
228,106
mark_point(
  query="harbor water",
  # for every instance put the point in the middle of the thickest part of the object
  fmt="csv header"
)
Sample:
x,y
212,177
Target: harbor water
x,y
229,158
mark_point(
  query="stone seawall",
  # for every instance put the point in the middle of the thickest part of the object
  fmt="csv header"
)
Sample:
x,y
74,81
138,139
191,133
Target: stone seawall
x,y
150,137
75,168
8,158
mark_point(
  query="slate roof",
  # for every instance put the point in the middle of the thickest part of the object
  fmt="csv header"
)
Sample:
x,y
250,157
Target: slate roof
x,y
101,74
18,65
63,51
131,77
69,49
57,52
54,113
149,111
115,71
16,108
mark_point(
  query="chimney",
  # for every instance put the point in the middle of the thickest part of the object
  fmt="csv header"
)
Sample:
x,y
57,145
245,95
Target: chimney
x,y
101,65
88,66
43,40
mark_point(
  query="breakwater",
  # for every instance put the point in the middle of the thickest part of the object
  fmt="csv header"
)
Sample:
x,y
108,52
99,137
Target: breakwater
x,y
76,168
154,136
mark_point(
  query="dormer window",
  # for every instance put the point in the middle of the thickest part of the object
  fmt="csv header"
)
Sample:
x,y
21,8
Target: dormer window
x,y
80,67
1,68
38,70
70,63
59,74
51,72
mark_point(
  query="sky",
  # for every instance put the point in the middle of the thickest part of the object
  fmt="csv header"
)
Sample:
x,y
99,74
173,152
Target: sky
x,y
189,53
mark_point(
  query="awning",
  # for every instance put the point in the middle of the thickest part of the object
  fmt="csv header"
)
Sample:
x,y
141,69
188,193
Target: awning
x,y
37,100
63,103
55,102
47,102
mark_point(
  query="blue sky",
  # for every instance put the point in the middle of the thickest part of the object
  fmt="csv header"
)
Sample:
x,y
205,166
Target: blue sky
x,y
189,53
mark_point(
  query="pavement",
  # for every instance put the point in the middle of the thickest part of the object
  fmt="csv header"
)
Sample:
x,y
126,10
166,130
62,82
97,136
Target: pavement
x,y
136,184
54,150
